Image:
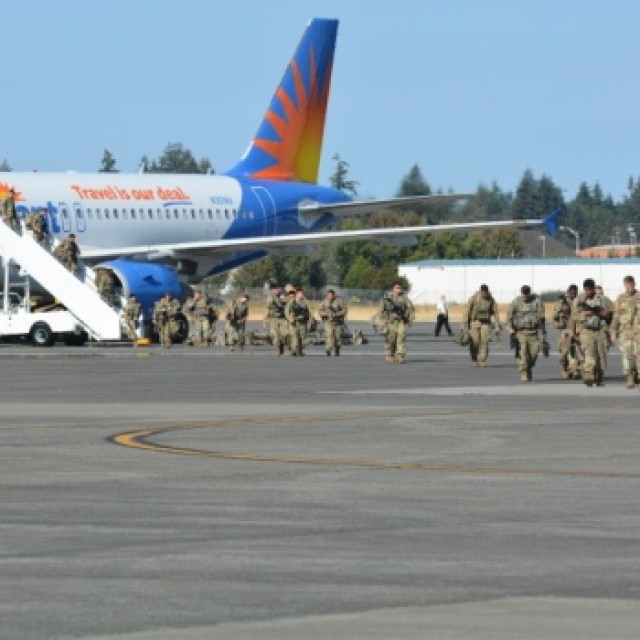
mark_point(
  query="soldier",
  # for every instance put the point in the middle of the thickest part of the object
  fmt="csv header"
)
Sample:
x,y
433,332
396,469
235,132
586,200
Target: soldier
x,y
39,227
610,307
8,210
131,315
569,357
588,322
397,313
275,316
526,321
164,313
626,328
200,314
481,308
105,285
298,315
71,253
237,322
333,312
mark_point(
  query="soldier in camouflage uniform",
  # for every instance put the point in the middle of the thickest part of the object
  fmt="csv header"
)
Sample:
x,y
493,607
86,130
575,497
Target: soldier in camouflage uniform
x,y
397,313
610,307
164,314
298,315
8,210
626,328
105,284
131,315
236,325
37,224
526,321
200,315
481,309
588,325
275,317
569,358
71,253
333,311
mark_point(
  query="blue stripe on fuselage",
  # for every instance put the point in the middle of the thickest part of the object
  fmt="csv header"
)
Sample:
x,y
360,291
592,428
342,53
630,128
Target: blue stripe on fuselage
x,y
279,202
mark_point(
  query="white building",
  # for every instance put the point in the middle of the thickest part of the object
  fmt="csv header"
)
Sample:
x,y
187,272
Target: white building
x,y
459,279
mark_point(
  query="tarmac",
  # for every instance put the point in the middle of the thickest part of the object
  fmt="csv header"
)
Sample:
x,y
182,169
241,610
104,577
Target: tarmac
x,y
196,493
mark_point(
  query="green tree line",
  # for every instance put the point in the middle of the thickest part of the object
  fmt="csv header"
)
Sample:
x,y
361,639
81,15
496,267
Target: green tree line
x,y
367,264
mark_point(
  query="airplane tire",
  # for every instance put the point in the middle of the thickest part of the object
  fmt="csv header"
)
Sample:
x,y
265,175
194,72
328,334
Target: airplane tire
x,y
41,335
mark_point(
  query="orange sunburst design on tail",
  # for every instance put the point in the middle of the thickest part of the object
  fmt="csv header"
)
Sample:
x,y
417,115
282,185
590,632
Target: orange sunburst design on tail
x,y
5,190
297,153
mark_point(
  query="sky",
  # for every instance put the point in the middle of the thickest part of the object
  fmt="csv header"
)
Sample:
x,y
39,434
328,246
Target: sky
x,y
472,91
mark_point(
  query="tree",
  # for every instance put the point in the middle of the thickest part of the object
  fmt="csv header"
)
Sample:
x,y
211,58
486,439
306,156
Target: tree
x,y
108,163
339,177
4,166
176,158
413,184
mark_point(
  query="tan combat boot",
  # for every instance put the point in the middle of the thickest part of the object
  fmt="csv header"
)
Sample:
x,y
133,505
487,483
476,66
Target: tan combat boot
x,y
631,380
390,359
524,376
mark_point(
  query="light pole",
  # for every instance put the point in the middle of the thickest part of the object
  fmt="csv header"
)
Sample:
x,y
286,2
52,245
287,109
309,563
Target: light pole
x,y
633,240
575,234
544,245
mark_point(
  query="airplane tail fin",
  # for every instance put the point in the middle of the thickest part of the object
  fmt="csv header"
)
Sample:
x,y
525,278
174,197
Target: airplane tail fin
x,y
550,223
288,143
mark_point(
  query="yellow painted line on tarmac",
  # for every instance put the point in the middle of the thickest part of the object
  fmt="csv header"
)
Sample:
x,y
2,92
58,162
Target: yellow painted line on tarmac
x,y
141,440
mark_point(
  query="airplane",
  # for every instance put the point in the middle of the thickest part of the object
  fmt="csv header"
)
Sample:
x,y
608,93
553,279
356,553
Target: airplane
x,y
157,231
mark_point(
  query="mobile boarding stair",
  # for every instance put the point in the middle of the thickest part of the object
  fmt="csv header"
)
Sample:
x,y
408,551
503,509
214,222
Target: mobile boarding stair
x,y
77,293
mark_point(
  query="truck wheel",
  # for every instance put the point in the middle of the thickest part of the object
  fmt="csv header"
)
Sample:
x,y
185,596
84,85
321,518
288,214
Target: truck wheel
x,y
41,335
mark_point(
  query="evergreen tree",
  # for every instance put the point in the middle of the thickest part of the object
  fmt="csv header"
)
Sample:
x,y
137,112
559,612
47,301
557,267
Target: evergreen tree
x,y
413,184
339,178
108,163
4,166
176,158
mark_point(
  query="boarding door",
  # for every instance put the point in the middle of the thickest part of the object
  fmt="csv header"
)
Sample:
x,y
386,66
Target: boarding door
x,y
268,206
81,223
65,217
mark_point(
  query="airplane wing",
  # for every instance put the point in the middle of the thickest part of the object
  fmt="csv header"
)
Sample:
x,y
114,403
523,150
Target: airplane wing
x,y
342,209
176,250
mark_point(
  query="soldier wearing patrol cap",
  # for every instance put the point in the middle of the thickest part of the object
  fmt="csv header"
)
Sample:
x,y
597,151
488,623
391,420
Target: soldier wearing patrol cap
x,y
588,325
131,313
625,328
526,321
164,313
8,210
275,318
397,314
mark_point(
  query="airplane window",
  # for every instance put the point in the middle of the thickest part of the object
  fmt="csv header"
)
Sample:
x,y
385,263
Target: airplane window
x,y
115,214
193,213
150,213
234,212
125,215
176,214
185,214
65,213
141,212
202,214
98,214
89,214
168,214
133,214
79,214
210,213
226,213
218,213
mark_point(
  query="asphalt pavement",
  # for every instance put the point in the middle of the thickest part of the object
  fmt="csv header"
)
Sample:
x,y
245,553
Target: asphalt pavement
x,y
197,493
